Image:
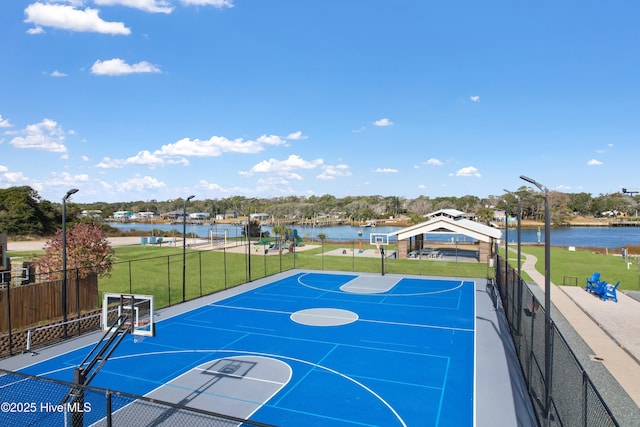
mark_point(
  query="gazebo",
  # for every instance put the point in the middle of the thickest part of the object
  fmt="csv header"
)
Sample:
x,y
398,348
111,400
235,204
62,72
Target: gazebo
x,y
448,221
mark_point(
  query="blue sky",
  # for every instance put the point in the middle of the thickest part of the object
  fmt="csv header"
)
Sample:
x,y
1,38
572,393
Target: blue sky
x,y
160,99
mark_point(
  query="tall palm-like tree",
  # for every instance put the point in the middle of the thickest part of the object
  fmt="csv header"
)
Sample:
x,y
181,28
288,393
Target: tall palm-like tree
x,y
322,238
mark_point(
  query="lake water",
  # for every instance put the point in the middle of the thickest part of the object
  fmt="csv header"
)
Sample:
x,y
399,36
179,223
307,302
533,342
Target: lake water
x,y
606,237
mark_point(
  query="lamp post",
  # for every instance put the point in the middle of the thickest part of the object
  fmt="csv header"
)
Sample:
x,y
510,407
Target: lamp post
x,y
184,247
249,244
64,259
547,295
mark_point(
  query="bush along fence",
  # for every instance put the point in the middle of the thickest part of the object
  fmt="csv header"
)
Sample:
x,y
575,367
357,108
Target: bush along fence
x,y
574,400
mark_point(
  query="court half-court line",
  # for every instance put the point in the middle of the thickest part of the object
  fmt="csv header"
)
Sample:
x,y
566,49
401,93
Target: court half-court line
x,y
360,319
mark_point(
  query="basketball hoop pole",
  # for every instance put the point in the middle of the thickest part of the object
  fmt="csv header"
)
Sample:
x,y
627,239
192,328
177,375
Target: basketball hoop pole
x,y
382,258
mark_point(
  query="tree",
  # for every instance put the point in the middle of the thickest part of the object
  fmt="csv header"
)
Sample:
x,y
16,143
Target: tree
x,y
485,214
322,237
254,229
24,213
88,251
279,230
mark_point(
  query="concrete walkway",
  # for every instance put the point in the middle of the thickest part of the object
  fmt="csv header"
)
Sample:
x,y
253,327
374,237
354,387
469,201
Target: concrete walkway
x,y
611,330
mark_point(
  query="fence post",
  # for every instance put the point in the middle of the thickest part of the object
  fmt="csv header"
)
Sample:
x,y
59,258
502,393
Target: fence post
x,y
78,309
585,395
130,280
353,255
169,278
9,317
200,267
108,408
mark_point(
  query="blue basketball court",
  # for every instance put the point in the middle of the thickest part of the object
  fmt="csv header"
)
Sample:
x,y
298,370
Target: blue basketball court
x,y
312,349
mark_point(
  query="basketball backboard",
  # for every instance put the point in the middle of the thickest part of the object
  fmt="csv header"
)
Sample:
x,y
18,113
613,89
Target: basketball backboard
x,y
137,311
379,239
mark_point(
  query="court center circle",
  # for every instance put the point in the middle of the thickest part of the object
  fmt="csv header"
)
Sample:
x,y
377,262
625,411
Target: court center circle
x,y
324,317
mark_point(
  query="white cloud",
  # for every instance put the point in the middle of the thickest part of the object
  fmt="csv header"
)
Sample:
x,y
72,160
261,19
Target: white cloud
x,y
140,184
177,152
117,67
271,140
153,6
211,186
69,18
362,129
434,162
469,171
334,171
46,135
385,170
383,122
474,98
594,162
66,179
15,177
35,31
215,3
285,167
213,147
145,158
422,186
273,181
296,136
4,123
57,73
85,158
109,163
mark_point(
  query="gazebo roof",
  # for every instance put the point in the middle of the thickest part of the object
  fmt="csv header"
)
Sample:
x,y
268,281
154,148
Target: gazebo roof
x,y
445,224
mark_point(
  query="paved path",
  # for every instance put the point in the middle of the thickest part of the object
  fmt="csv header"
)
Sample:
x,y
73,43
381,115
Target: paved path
x,y
608,329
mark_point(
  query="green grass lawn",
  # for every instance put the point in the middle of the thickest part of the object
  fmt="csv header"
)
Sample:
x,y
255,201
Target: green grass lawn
x,y
158,270
582,264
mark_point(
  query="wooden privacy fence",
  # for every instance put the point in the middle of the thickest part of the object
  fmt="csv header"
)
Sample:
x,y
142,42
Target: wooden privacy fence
x,y
41,302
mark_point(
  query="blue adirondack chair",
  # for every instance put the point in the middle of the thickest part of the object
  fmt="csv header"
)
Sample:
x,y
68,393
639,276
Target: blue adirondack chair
x,y
593,282
600,289
610,292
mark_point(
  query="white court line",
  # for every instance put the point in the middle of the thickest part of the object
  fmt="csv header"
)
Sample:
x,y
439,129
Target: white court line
x,y
244,377
273,356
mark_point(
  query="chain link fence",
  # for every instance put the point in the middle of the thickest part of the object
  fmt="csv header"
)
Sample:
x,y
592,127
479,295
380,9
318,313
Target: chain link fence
x,y
174,276
574,400
36,401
